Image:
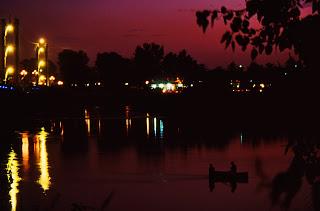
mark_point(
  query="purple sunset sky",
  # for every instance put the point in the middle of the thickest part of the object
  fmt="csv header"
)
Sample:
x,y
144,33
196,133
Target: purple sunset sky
x,y
120,25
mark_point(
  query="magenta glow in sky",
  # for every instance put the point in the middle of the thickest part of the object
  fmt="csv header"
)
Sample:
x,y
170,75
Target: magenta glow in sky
x,y
120,25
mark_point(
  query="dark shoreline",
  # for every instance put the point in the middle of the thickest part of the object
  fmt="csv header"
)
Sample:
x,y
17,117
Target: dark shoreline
x,y
257,111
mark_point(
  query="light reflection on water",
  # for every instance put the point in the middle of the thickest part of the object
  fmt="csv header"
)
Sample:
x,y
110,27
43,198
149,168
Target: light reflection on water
x,y
13,178
25,151
174,170
44,179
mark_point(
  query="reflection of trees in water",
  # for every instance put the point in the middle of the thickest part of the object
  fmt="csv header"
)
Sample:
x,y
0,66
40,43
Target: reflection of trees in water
x,y
75,137
305,163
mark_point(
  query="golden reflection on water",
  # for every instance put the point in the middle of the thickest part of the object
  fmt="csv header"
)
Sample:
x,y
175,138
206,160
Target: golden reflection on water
x,y
87,119
61,128
44,179
13,178
25,151
128,119
148,125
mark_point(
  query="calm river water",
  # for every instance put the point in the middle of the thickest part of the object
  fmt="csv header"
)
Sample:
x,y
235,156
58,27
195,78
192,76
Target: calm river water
x,y
131,160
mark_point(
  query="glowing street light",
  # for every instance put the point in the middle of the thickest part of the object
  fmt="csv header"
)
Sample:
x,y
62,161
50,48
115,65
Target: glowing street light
x,y
52,78
41,50
42,41
9,49
42,79
9,71
42,60
9,28
41,63
23,73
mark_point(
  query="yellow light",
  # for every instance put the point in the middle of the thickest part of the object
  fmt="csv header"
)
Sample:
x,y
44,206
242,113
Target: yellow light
x,y
9,49
180,85
35,72
147,82
42,40
23,73
42,78
126,84
148,124
87,120
9,28
13,178
60,83
42,63
52,78
262,86
44,179
41,50
25,151
10,70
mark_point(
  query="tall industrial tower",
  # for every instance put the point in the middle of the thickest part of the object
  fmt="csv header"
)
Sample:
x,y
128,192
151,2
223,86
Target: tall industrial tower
x,y
42,62
9,50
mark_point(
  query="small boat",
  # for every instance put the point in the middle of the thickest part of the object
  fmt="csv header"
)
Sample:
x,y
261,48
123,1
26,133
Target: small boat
x,y
227,176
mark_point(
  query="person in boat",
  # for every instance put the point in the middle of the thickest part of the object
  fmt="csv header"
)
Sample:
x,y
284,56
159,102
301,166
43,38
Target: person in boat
x,y
233,168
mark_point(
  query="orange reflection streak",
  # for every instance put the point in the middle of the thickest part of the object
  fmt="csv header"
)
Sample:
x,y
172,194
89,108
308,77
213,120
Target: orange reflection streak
x,y
13,178
61,128
87,120
25,151
128,119
148,125
44,179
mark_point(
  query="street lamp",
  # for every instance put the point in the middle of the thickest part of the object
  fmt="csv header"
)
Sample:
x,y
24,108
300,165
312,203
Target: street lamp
x,y
9,49
9,71
42,41
42,60
52,79
23,73
41,50
9,28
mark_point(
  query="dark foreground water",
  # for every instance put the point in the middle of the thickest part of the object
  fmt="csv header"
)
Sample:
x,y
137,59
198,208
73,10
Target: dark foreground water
x,y
129,160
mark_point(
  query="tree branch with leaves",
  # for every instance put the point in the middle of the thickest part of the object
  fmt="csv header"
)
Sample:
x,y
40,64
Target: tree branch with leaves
x,y
281,26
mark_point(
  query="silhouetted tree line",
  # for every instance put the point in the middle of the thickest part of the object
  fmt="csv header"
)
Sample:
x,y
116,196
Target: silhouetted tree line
x,y
113,70
281,26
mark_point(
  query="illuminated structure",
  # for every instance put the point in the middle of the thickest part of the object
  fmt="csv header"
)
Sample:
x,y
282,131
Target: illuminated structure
x,y
168,87
9,50
42,62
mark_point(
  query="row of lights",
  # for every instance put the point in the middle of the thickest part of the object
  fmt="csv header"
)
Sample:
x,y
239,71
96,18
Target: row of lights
x,y
9,49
